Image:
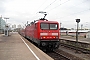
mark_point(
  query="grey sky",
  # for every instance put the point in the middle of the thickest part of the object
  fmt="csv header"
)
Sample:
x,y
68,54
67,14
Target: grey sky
x,y
2,9
64,11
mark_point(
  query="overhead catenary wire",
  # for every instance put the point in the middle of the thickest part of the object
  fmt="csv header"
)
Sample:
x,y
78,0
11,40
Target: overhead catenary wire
x,y
59,5
41,5
45,7
76,13
64,3
74,5
38,9
49,5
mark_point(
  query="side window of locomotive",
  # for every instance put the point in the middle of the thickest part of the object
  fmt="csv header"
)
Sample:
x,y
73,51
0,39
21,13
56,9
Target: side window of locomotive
x,y
35,25
44,26
53,26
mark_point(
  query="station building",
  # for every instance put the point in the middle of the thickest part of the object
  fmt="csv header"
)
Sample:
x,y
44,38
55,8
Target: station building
x,y
2,25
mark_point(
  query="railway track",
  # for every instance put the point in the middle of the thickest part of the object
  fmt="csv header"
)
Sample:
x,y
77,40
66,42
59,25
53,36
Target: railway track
x,y
61,55
81,47
57,56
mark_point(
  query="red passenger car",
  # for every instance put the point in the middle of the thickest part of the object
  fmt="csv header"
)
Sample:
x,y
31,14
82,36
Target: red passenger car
x,y
44,33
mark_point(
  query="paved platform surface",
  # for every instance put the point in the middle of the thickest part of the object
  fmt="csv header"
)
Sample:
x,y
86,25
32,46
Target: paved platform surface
x,y
15,47
80,39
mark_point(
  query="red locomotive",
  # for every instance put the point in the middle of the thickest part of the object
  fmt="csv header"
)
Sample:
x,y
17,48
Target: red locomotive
x,y
44,33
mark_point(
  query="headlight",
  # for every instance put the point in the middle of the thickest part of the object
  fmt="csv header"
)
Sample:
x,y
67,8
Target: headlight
x,y
43,43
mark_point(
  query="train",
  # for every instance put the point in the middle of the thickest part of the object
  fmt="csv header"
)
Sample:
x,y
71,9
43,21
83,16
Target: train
x,y
44,33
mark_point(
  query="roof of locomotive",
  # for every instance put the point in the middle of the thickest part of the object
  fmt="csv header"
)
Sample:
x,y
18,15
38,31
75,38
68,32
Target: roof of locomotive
x,y
42,21
46,21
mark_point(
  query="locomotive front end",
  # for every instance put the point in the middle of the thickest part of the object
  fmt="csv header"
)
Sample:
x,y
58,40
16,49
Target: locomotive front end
x,y
49,35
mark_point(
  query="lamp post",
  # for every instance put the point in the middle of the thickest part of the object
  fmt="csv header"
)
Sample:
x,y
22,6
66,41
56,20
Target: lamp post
x,y
77,20
6,19
0,24
6,27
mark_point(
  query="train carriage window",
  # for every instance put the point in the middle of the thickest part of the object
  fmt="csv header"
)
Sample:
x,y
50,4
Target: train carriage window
x,y
53,26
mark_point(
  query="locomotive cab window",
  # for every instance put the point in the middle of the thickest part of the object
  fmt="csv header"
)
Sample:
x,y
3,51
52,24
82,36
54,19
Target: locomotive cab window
x,y
44,26
48,26
53,26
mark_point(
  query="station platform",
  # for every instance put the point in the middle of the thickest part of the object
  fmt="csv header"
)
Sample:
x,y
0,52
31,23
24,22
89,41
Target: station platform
x,y
15,47
80,39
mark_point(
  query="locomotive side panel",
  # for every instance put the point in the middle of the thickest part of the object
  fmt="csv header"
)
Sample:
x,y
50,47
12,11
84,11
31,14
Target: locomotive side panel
x,y
36,33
